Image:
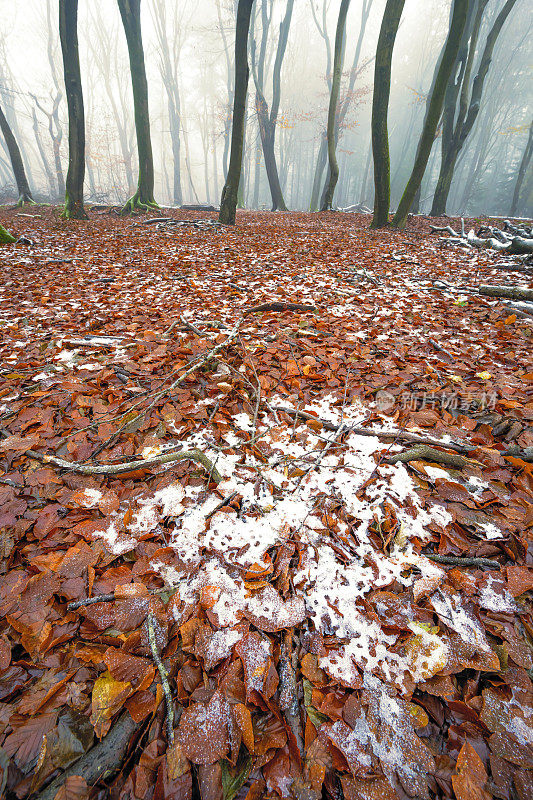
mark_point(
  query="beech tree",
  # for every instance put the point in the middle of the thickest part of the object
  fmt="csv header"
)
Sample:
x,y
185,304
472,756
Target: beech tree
x,y
461,104
228,203
338,59
68,33
268,120
380,108
16,162
434,110
130,12
522,171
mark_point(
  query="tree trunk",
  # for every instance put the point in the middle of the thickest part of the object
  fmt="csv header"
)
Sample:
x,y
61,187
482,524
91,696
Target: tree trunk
x,y
455,135
47,169
267,121
449,55
68,23
130,12
5,236
524,164
338,59
228,203
16,162
380,108
319,169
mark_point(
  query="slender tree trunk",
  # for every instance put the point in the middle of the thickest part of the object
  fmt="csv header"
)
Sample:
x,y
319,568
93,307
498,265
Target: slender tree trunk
x,y
467,112
365,177
130,12
228,203
68,24
524,164
449,55
16,162
380,108
47,169
319,169
333,101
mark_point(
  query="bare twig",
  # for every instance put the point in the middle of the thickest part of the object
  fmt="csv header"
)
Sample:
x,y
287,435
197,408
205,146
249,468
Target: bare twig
x,y
164,676
90,601
223,502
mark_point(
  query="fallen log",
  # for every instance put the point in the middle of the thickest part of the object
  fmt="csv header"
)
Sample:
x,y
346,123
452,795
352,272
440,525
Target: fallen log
x,y
511,292
423,452
278,306
105,757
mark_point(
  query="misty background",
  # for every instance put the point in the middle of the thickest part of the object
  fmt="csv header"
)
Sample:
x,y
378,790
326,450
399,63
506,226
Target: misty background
x,y
188,47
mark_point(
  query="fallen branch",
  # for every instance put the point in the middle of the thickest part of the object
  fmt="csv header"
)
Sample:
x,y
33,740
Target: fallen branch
x,y
164,677
130,466
425,453
223,502
463,561
288,695
400,436
104,758
278,306
511,292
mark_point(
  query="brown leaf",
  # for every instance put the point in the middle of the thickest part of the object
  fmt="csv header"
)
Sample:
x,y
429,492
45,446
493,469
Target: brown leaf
x,y
471,778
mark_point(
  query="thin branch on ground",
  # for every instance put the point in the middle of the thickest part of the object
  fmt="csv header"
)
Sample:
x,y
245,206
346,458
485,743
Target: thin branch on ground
x,y
164,676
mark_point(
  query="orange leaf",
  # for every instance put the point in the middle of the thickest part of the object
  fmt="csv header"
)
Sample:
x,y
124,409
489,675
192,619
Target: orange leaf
x,y
471,777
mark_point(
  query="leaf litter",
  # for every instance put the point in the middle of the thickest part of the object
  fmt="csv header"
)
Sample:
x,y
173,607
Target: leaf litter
x,y
311,643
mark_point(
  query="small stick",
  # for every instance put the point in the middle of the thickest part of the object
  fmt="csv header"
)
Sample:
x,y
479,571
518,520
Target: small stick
x,y
278,306
164,676
89,601
288,701
220,505
463,561
191,327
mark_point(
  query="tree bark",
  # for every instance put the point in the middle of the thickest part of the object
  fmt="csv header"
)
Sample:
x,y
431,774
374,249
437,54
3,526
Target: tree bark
x,y
449,55
68,33
524,164
130,12
338,59
267,121
16,162
47,169
458,122
228,203
380,107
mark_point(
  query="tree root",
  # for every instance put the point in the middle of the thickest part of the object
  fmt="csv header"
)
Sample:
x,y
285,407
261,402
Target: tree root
x,y
102,759
462,561
164,677
278,306
135,204
25,199
5,236
423,452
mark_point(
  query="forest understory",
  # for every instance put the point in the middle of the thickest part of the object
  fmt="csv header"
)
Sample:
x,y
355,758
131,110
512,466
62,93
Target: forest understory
x,y
290,464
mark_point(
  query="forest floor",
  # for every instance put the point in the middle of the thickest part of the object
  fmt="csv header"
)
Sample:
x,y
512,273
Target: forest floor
x,y
284,571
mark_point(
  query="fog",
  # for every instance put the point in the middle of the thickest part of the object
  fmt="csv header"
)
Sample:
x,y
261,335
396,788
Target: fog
x,y
200,36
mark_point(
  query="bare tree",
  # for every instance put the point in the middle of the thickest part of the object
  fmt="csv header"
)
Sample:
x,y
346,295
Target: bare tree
x,y
434,110
461,106
522,171
268,120
228,203
380,109
130,12
338,59
16,162
68,33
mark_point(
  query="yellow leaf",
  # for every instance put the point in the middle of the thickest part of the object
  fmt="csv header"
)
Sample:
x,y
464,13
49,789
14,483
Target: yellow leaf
x,y
456,378
177,763
484,375
426,652
108,696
